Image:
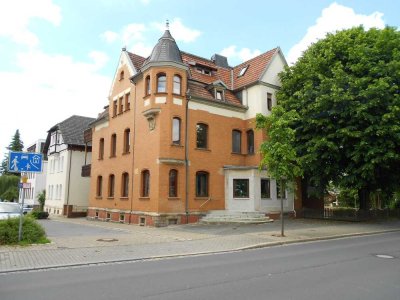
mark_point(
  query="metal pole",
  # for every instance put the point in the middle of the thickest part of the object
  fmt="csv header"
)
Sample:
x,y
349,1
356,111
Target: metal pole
x,y
282,222
21,214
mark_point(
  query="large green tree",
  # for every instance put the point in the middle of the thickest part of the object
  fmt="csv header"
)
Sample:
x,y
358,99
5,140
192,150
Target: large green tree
x,y
16,144
346,91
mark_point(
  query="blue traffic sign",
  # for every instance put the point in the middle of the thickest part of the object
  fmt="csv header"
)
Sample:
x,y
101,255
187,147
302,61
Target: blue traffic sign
x,y
25,162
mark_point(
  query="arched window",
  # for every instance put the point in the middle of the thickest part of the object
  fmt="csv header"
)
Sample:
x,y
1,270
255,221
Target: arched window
x,y
236,141
99,186
250,141
177,84
145,183
147,86
111,185
161,83
101,148
125,185
202,184
176,131
201,136
173,183
113,150
127,140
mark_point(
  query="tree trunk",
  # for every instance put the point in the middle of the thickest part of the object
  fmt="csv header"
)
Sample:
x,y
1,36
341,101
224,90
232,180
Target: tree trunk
x,y
363,196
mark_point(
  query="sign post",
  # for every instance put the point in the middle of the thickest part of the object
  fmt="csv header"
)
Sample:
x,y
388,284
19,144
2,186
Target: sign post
x,y
27,162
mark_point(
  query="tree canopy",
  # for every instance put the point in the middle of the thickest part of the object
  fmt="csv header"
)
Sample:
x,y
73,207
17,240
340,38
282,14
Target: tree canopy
x,y
16,144
346,92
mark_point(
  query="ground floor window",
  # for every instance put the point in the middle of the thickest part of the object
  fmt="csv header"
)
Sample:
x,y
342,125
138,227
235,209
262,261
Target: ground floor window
x,y
240,188
265,188
201,184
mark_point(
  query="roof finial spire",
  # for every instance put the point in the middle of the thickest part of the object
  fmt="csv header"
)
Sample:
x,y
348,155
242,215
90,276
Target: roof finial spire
x,y
167,24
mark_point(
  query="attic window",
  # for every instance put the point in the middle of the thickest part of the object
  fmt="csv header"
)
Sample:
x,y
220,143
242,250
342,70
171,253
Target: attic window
x,y
203,71
243,70
121,75
218,95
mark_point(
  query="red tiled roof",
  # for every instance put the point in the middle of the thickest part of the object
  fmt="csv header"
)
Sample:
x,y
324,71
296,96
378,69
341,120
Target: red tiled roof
x,y
137,60
229,76
201,91
256,67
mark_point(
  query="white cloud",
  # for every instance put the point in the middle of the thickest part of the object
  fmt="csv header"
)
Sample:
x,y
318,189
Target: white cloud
x,y
333,18
47,90
179,31
109,36
135,36
132,33
239,55
99,58
15,17
141,49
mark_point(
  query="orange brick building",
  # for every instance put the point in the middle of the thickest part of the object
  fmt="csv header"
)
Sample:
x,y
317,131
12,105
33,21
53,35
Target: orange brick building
x,y
178,138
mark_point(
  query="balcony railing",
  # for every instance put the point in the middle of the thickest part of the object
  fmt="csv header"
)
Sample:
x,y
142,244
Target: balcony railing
x,y
86,170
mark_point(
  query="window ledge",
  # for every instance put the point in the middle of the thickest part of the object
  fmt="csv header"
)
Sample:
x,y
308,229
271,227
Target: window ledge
x,y
123,198
144,198
113,156
178,95
203,149
241,198
174,198
99,197
202,198
126,153
161,93
237,153
176,145
110,198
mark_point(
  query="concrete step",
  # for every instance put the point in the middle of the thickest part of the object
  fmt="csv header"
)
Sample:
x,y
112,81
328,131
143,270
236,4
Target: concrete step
x,y
223,216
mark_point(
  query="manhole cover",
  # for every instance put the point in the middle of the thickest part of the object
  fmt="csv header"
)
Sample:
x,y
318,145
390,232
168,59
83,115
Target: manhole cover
x,y
107,240
384,256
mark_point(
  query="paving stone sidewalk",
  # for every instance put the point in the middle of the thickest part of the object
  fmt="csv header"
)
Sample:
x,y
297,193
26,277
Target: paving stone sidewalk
x,y
121,242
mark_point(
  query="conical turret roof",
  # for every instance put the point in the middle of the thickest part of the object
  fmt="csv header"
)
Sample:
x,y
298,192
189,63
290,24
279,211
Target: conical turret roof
x,y
166,50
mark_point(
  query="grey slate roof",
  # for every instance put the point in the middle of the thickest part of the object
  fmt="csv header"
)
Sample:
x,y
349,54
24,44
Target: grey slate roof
x,y
72,129
165,50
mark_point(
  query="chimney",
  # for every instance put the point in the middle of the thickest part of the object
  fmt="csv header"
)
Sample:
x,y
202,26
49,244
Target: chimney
x,y
219,60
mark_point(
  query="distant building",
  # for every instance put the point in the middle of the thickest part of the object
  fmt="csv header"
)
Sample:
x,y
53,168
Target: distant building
x,y
37,181
178,138
66,190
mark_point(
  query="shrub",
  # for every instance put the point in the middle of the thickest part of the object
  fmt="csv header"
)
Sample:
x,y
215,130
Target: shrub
x,y
32,232
39,214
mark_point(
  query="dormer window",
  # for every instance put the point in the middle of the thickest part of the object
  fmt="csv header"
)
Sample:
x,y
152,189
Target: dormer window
x,y
203,71
243,70
219,95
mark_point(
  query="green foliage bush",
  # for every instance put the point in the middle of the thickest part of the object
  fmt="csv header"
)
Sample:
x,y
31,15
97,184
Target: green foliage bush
x,y
32,232
39,214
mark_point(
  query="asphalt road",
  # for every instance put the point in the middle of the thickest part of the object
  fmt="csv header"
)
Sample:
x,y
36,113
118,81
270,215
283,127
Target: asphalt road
x,y
335,269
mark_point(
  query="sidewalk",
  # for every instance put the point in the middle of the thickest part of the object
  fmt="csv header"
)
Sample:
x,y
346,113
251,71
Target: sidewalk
x,y
131,242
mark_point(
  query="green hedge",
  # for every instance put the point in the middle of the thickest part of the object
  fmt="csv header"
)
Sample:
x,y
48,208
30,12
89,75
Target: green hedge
x,y
32,232
39,214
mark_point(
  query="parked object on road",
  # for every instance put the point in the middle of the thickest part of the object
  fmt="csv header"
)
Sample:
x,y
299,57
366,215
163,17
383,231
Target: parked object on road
x,y
9,210
27,208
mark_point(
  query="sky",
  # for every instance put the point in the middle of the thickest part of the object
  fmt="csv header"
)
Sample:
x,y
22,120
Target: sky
x,y
58,57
